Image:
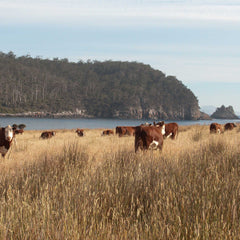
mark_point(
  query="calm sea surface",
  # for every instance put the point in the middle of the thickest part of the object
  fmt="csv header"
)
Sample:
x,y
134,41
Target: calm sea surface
x,y
49,123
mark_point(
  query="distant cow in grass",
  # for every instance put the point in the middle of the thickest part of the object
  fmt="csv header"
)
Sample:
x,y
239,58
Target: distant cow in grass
x,y
229,126
6,137
80,132
125,131
216,128
107,132
47,134
18,131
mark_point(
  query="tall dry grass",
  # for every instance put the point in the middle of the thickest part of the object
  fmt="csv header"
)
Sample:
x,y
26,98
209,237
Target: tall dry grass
x,y
97,187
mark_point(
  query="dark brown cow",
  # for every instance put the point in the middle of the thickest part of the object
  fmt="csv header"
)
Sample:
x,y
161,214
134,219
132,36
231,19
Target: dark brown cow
x,y
171,130
120,131
149,137
216,128
125,131
107,132
229,126
18,131
6,137
146,124
80,132
47,134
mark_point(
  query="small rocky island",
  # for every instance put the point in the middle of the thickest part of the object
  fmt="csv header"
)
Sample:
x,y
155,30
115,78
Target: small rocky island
x,y
224,113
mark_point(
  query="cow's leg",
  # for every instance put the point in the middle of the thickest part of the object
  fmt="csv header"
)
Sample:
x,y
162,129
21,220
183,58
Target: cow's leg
x,y
3,151
174,136
138,144
154,145
169,135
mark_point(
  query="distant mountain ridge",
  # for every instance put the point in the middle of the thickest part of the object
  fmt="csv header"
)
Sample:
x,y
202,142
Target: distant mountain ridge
x,y
209,109
92,89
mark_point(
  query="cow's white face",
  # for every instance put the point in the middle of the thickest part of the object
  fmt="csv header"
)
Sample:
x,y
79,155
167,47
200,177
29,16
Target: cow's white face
x,y
8,133
163,129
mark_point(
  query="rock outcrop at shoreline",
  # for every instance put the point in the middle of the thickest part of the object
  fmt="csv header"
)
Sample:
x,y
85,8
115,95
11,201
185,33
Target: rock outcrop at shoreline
x,y
204,116
224,113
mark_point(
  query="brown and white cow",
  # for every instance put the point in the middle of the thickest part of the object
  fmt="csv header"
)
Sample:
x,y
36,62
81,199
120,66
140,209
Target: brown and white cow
x,y
80,132
216,128
107,132
171,130
47,134
125,131
229,126
149,137
6,137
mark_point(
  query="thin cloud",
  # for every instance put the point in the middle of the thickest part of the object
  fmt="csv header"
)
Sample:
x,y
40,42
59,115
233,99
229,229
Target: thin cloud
x,y
121,13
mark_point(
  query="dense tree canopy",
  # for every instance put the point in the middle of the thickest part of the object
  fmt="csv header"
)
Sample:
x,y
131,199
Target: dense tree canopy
x,y
101,89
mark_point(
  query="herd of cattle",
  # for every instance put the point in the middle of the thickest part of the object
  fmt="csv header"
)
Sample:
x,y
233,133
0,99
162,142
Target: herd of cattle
x,y
147,136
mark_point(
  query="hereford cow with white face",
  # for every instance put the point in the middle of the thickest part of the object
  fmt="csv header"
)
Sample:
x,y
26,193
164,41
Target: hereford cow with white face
x,y
216,128
6,137
80,132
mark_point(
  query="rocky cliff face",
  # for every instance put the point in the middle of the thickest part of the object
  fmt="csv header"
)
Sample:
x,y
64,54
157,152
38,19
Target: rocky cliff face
x,y
110,89
224,113
191,113
204,116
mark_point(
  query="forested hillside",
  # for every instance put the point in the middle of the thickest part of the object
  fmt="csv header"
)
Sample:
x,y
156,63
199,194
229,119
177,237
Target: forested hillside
x,y
92,89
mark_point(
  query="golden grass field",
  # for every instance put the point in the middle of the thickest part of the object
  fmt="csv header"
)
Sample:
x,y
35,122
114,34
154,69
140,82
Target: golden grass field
x,y
96,187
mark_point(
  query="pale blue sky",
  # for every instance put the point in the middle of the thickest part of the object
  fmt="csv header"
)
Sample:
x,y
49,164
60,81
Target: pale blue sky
x,y
196,41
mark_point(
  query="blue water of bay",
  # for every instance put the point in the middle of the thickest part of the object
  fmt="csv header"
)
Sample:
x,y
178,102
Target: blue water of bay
x,y
72,123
